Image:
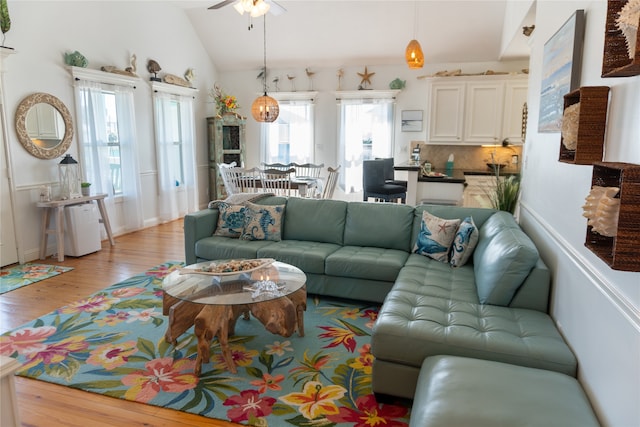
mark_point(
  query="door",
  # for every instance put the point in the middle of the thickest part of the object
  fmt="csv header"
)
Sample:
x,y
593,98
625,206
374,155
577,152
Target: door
x,y
514,101
483,121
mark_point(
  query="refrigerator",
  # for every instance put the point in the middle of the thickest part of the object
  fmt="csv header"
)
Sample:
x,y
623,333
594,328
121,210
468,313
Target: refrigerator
x,y
82,230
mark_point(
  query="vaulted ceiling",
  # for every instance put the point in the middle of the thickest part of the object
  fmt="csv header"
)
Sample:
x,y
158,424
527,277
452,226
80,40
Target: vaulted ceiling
x,y
327,33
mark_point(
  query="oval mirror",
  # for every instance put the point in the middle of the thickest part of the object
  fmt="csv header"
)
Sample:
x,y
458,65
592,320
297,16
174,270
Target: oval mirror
x,y
43,125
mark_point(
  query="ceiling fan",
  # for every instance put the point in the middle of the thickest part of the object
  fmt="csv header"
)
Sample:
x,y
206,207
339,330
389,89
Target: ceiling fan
x,y
255,8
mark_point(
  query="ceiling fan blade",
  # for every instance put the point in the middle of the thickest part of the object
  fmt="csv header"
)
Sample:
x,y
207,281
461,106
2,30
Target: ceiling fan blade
x,y
275,9
222,4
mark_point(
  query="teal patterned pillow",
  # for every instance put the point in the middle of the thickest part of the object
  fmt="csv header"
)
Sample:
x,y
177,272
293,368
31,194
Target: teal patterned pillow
x,y
435,237
263,222
464,243
230,220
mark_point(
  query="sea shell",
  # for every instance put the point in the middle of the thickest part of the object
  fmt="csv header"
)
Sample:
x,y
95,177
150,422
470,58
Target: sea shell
x,y
570,126
601,210
627,22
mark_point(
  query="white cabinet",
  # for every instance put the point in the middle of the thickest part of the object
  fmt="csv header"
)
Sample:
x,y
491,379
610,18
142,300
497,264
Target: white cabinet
x,y
477,193
483,110
44,122
446,112
476,110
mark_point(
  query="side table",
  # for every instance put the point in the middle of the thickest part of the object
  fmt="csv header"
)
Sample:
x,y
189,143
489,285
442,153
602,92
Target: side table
x,y
58,206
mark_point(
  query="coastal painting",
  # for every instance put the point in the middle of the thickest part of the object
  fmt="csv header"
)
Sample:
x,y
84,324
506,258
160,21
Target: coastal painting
x,y
562,60
412,121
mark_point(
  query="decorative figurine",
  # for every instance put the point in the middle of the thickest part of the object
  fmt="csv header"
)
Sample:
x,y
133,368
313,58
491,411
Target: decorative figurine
x,y
293,84
75,59
190,76
397,84
366,79
154,68
340,73
310,75
129,71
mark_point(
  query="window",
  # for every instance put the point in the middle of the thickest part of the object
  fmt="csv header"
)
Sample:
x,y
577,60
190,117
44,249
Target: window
x,y
107,139
365,132
175,150
290,138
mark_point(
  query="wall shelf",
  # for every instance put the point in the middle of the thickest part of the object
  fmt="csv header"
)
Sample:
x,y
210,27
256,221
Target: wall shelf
x,y
615,59
590,127
621,252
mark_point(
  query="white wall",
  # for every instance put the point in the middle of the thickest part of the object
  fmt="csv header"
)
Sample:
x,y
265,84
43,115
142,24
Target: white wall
x,y
596,308
107,33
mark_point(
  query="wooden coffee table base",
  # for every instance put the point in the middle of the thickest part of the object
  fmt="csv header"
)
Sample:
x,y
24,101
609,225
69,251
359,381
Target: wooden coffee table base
x,y
281,316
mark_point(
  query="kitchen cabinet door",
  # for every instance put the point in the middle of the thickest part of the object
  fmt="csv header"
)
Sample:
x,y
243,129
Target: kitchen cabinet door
x,y
515,98
446,112
484,107
477,193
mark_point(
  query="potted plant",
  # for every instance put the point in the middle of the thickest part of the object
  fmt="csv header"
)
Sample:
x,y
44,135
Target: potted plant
x,y
84,188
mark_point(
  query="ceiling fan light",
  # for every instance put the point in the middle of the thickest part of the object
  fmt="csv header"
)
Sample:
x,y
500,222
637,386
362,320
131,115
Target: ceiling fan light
x,y
265,109
413,55
247,5
260,9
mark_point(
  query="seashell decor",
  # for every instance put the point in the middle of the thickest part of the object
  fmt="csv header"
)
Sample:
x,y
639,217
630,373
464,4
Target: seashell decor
x,y
627,22
570,126
601,210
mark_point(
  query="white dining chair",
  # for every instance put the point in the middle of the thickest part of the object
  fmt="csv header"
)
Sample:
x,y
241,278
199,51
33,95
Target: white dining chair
x,y
330,184
276,181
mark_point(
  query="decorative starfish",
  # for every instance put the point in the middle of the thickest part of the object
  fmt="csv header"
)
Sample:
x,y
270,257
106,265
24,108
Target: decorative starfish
x,y
366,77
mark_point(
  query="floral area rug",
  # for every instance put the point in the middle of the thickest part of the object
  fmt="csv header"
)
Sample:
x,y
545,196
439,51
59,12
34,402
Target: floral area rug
x,y
112,343
26,274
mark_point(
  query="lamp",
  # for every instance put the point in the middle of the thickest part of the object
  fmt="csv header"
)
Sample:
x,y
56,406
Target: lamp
x,y
69,176
265,108
254,7
413,54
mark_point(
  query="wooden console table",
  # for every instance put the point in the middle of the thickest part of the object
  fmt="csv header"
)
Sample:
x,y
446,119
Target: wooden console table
x,y
58,206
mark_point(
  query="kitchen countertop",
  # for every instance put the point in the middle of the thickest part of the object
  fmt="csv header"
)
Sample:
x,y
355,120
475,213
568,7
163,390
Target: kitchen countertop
x,y
457,177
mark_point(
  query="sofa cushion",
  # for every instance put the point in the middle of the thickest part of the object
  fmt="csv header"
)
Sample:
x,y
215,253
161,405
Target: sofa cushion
x,y
315,220
366,263
230,220
496,223
307,256
458,391
218,247
379,225
411,327
502,265
436,236
464,242
428,277
262,222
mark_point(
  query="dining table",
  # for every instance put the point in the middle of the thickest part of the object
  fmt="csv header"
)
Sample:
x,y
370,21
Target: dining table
x,y
305,185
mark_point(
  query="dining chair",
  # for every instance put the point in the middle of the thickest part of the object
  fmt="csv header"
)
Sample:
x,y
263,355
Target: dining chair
x,y
389,173
330,184
276,181
278,166
373,183
242,180
308,170
222,170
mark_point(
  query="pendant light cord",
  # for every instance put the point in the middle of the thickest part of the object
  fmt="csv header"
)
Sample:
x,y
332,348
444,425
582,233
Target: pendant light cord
x,y
415,20
264,75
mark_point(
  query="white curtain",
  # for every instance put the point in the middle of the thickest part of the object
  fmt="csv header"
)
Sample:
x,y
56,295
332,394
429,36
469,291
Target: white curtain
x,y
94,148
175,151
365,131
291,137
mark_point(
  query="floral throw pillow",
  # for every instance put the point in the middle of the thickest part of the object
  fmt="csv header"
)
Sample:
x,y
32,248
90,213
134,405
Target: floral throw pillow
x,y
230,220
464,242
262,222
435,237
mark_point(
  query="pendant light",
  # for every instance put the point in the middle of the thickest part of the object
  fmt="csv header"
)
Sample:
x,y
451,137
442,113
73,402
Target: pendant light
x,y
265,108
413,54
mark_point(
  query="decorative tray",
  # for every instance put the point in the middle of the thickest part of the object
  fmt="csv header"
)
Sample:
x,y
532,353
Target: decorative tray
x,y
230,267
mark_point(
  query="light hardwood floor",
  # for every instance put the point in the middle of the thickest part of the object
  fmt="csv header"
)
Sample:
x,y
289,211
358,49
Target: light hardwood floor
x,y
44,404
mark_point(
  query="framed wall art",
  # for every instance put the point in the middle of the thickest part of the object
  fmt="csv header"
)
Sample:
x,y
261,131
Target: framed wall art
x,y
412,121
562,60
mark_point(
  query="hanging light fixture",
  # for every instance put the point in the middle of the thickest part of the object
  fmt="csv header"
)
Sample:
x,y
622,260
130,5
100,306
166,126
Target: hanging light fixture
x,y
265,108
413,54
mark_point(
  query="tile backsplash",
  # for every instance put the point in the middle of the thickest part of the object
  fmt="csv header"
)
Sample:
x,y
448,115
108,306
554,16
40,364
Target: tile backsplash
x,y
468,156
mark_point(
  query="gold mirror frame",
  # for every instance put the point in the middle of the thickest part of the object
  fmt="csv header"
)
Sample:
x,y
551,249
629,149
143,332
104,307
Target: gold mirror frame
x,y
21,127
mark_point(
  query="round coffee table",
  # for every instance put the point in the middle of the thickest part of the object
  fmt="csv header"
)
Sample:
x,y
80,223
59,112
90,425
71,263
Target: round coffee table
x,y
275,294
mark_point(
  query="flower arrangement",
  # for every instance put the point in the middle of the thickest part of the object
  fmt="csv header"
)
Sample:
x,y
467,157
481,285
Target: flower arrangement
x,y
224,103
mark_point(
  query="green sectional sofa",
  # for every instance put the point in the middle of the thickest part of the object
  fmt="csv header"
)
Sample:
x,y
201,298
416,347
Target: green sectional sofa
x,y
493,307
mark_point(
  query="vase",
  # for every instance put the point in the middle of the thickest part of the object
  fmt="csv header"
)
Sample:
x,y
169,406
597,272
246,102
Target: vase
x,y
86,191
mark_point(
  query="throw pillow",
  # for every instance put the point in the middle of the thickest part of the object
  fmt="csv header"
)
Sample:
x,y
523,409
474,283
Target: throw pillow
x,y
464,242
262,222
230,220
435,237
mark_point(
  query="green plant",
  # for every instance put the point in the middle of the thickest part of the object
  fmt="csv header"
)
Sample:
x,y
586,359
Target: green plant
x,y
505,195
85,184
